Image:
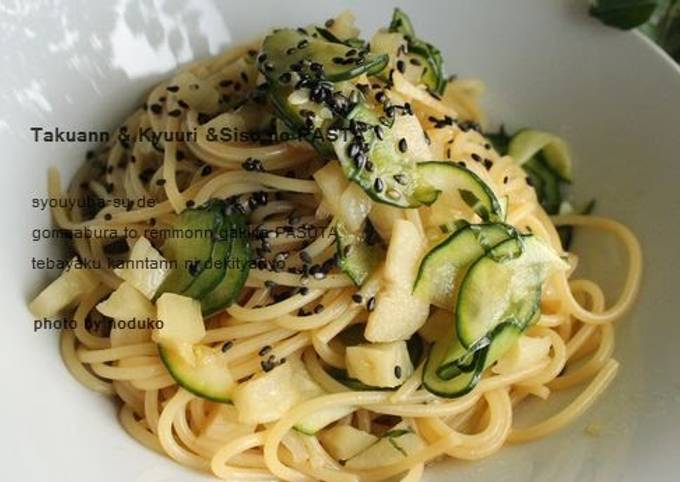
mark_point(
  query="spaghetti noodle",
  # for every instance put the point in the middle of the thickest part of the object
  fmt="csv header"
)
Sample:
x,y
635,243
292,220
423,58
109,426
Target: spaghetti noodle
x,y
294,314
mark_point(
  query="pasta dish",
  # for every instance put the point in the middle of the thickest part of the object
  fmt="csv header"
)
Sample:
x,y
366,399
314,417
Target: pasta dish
x,y
308,258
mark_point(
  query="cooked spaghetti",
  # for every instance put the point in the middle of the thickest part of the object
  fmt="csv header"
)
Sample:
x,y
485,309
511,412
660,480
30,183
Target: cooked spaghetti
x,y
323,268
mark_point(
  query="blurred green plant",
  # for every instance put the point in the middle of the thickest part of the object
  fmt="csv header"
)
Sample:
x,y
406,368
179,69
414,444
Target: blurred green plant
x,y
658,19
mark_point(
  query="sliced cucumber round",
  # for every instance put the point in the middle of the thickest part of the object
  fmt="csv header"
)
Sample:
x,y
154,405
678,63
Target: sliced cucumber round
x,y
526,143
447,176
214,272
503,285
461,379
287,47
207,375
391,177
545,182
191,252
237,268
433,75
356,256
442,268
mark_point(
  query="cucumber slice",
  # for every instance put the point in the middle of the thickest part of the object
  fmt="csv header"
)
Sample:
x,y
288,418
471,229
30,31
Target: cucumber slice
x,y
442,268
503,285
316,63
457,381
207,375
190,252
287,47
391,177
358,253
526,143
293,120
237,269
433,76
545,182
447,176
213,272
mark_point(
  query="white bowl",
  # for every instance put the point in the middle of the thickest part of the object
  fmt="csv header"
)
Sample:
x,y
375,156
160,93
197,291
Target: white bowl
x,y
614,96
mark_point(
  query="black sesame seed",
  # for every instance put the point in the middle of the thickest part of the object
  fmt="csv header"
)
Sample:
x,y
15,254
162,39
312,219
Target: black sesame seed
x,y
160,182
338,60
226,82
172,88
403,145
305,257
329,23
379,132
476,157
397,371
108,216
302,44
318,308
505,180
400,178
378,185
401,67
270,284
156,108
370,305
361,161
264,350
206,170
190,203
175,113
414,61
488,163
357,298
182,104
304,291
227,345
